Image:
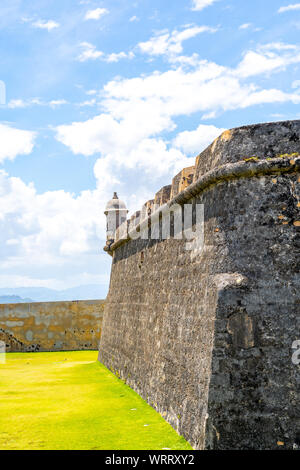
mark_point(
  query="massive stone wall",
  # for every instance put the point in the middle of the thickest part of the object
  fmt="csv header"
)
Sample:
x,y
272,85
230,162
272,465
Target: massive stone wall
x,y
206,336
51,326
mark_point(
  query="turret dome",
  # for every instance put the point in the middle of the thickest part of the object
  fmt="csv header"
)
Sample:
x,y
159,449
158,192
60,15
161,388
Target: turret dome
x,y
115,204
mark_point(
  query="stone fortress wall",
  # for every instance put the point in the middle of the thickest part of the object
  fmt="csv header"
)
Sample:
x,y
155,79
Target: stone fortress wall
x,y
51,326
206,337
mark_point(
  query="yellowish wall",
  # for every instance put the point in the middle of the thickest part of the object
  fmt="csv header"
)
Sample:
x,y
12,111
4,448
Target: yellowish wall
x,y
51,326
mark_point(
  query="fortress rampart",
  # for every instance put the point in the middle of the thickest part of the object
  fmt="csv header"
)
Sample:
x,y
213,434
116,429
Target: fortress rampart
x,y
205,335
51,326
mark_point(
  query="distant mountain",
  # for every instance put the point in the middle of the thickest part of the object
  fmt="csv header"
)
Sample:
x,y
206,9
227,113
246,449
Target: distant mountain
x,y
13,299
43,294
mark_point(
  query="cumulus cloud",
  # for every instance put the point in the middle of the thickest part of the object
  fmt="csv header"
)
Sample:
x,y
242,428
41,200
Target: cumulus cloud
x,y
152,158
106,134
270,96
206,88
199,5
141,108
93,136
193,142
292,7
171,43
131,135
58,234
49,25
43,232
268,58
95,14
15,142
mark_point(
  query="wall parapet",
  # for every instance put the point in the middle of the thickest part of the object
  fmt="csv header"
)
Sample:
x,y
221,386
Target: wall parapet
x,y
246,168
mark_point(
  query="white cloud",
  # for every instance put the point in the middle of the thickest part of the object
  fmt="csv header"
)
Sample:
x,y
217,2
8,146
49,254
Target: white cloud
x,y
91,102
95,14
193,142
138,109
16,103
209,115
268,58
269,96
49,25
199,5
245,26
191,61
171,43
116,56
53,222
150,164
255,63
127,134
45,237
90,137
89,51
293,7
40,234
133,18
15,142
278,46
57,103
206,88
106,134
20,103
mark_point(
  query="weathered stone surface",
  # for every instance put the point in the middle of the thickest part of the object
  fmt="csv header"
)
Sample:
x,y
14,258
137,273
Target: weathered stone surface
x,y
51,326
260,140
206,338
163,195
184,178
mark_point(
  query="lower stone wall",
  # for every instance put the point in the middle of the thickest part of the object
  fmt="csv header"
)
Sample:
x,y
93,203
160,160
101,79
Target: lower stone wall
x,y
51,326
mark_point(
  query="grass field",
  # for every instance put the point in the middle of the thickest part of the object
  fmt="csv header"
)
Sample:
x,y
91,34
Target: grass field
x,y
68,400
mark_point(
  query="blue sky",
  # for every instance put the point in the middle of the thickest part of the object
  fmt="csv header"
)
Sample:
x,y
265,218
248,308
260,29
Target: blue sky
x,y
119,96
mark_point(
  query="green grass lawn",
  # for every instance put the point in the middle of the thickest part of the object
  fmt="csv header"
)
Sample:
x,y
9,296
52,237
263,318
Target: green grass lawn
x,y
68,400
